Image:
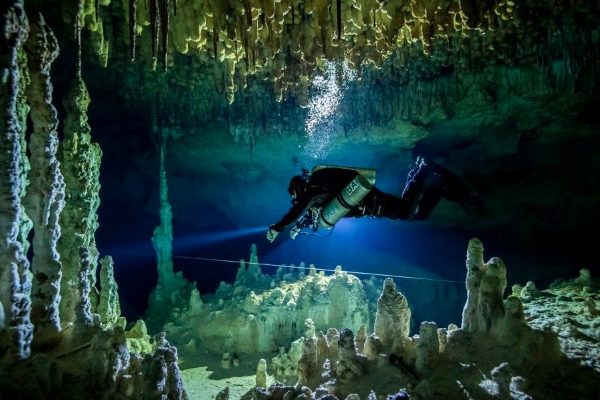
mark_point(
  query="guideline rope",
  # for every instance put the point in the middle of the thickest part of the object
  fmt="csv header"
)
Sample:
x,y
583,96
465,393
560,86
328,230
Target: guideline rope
x,y
221,260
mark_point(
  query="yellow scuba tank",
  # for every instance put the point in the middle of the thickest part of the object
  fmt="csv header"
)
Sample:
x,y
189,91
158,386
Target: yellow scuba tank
x,y
349,197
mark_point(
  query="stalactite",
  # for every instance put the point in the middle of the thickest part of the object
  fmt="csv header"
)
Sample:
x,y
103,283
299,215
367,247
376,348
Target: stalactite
x,y
16,329
215,42
165,26
45,196
154,29
286,42
339,19
132,28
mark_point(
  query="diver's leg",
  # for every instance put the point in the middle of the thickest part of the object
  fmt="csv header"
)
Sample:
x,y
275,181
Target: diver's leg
x,y
413,189
429,199
381,204
455,189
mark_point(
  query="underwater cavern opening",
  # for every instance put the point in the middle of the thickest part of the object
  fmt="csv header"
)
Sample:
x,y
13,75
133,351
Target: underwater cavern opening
x,y
146,148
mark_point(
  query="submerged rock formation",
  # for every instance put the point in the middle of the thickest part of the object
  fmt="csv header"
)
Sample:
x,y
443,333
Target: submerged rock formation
x,y
269,313
569,309
44,200
80,162
392,321
92,359
16,329
485,287
172,289
495,354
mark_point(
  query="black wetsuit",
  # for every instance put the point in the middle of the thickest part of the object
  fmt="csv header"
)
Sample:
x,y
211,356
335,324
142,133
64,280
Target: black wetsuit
x,y
326,183
426,185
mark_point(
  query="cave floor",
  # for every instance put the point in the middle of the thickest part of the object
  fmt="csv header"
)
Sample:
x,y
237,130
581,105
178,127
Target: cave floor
x,y
204,377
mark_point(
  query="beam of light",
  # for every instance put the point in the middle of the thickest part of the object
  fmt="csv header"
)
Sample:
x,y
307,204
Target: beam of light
x,y
328,92
204,239
186,242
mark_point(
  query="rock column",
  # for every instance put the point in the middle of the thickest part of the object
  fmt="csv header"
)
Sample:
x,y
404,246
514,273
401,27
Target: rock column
x,y
45,196
80,162
108,305
15,280
172,290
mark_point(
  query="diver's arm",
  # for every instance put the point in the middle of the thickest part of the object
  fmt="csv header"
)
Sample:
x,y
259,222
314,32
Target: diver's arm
x,y
294,213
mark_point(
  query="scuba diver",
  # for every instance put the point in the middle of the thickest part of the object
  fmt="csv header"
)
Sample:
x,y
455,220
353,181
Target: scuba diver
x,y
322,197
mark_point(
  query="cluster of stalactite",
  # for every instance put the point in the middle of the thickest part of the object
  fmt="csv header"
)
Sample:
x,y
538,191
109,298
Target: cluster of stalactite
x,y
285,41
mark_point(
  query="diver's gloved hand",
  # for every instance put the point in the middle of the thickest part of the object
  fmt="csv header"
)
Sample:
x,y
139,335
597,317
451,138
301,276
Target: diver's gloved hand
x,y
294,232
272,234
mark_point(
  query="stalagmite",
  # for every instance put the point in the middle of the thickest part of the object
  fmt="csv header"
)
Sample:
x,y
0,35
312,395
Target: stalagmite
x,y
428,348
361,337
308,366
485,289
350,365
80,163
45,196
109,307
15,281
392,321
171,288
261,373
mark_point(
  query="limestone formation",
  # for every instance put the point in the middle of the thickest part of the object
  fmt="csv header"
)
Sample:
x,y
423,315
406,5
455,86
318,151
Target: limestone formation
x,y
80,163
16,330
109,307
265,317
501,357
288,40
138,340
485,288
428,348
350,365
309,327
285,364
261,373
53,367
392,321
308,367
45,195
361,337
567,308
373,347
196,302
333,336
171,288
250,275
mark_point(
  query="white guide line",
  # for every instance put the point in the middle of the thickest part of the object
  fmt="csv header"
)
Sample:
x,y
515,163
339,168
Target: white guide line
x,y
306,268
